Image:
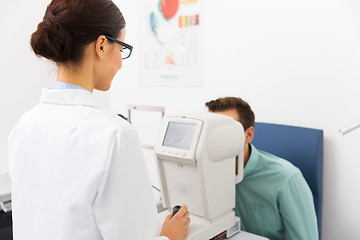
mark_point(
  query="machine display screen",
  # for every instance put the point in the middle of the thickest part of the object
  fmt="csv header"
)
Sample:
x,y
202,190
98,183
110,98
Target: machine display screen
x,y
179,135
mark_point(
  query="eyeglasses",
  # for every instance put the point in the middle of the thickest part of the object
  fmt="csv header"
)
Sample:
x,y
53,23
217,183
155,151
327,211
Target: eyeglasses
x,y
125,52
127,49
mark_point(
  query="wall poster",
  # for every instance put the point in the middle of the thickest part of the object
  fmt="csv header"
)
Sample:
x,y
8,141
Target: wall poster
x,y
170,42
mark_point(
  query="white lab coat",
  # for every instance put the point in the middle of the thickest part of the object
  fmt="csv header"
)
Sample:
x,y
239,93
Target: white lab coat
x,y
78,173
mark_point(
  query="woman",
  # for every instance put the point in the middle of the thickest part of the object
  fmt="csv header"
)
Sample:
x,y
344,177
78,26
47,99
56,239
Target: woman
x,y
77,170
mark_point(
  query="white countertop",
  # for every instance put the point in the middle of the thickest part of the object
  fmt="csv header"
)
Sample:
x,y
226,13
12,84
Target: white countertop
x,y
246,236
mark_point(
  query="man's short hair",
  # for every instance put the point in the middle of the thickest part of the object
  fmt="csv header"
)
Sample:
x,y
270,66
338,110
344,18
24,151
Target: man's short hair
x,y
246,115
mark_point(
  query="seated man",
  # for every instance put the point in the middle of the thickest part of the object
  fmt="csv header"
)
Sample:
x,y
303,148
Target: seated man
x,y
273,200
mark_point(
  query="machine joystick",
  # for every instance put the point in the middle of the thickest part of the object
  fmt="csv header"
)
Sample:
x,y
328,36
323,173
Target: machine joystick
x,y
176,209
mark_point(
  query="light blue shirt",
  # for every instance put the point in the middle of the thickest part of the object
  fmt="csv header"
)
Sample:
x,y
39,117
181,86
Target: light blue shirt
x,y
274,200
63,85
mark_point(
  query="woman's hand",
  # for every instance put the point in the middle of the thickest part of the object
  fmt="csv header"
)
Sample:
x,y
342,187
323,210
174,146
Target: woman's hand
x,y
176,227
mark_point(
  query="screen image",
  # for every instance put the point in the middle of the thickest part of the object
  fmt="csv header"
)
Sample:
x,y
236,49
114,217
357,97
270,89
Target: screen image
x,y
179,135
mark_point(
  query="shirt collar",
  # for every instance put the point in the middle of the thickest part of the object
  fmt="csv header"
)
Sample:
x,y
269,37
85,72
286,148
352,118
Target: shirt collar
x,y
64,85
252,162
69,97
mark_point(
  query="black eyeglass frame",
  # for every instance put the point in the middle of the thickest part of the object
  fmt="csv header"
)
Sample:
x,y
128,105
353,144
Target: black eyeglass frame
x,y
125,45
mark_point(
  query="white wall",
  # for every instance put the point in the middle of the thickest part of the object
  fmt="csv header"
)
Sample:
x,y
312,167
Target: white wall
x,y
22,74
295,62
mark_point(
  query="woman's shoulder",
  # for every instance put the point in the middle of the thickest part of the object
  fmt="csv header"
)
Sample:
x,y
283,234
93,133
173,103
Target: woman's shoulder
x,y
114,121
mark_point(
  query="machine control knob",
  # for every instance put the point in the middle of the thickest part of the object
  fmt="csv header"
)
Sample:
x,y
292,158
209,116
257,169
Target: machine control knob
x,y
176,209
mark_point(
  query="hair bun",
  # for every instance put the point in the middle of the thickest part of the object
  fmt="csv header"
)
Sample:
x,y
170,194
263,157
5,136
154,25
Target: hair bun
x,y
52,40
69,25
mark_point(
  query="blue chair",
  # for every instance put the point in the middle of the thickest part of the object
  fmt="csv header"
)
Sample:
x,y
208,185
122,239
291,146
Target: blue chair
x,y
303,147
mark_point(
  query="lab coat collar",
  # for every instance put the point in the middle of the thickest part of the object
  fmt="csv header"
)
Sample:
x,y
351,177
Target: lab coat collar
x,y
252,162
69,97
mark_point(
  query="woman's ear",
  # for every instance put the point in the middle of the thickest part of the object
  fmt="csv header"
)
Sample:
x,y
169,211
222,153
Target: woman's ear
x,y
249,134
100,46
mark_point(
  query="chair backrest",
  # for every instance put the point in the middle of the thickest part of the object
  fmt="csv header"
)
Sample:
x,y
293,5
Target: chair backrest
x,y
303,147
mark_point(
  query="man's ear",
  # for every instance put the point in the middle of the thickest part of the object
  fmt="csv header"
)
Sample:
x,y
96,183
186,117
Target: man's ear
x,y
100,46
249,134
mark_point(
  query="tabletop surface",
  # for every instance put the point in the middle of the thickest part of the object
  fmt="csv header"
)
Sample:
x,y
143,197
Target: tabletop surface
x,y
246,236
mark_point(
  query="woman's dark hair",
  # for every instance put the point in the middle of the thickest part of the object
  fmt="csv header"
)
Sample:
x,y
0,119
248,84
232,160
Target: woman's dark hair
x,y
68,25
245,113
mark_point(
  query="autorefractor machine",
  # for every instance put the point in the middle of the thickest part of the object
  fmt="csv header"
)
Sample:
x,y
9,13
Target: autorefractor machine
x,y
196,155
